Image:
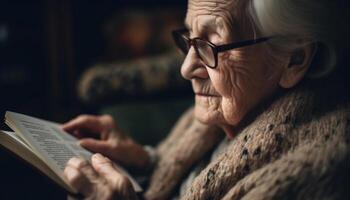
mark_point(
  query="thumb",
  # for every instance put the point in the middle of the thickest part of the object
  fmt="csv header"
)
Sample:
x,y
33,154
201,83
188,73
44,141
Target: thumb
x,y
96,146
105,168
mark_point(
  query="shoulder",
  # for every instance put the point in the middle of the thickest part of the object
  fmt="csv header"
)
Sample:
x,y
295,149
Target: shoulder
x,y
292,137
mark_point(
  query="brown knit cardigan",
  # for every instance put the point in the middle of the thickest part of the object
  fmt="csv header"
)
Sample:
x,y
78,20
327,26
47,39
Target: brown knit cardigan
x,y
295,146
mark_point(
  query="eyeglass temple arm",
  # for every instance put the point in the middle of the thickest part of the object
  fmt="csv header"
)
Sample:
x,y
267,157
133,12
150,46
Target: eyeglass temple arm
x,y
226,47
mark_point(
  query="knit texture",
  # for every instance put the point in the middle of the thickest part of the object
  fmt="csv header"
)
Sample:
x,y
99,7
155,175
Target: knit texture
x,y
295,146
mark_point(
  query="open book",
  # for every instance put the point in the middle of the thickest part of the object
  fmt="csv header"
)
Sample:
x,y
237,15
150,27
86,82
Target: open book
x,y
44,145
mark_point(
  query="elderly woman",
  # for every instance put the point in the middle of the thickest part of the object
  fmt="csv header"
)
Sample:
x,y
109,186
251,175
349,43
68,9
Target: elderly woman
x,y
267,73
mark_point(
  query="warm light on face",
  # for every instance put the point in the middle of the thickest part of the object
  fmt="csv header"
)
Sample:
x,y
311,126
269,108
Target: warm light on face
x,y
240,79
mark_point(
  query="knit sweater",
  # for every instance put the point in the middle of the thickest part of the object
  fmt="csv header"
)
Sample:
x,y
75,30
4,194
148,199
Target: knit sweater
x,y
294,146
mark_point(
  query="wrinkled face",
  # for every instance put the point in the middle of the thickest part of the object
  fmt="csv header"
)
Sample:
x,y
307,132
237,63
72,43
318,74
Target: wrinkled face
x,y
243,77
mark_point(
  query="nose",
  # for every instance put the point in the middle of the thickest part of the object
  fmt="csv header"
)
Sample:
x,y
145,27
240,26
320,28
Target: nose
x,y
192,66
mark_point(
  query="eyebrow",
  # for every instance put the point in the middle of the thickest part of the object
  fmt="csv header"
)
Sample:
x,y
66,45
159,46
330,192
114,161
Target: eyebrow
x,y
208,26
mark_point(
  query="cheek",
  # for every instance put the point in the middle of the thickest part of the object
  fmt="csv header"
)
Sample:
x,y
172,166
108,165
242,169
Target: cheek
x,y
222,77
231,82
232,77
208,110
241,82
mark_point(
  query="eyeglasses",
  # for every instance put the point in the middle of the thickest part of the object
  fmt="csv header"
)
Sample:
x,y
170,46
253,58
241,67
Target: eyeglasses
x,y
207,51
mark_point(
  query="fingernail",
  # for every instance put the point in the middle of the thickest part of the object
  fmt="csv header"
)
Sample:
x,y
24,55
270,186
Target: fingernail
x,y
98,156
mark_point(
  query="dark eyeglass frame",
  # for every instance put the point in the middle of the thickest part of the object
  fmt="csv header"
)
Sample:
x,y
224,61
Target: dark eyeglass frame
x,y
215,48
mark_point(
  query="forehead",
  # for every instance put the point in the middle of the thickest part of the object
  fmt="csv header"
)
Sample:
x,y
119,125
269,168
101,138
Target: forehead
x,y
210,10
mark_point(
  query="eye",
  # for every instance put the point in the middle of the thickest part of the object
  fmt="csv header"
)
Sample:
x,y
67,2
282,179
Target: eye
x,y
187,34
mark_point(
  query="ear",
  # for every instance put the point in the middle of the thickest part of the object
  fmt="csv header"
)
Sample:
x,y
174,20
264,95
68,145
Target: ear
x,y
298,65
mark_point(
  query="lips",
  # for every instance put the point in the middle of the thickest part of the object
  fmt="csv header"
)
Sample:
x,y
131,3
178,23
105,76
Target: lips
x,y
203,88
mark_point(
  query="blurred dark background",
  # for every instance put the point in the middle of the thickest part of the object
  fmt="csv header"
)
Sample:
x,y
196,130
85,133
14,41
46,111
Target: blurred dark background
x,y
45,45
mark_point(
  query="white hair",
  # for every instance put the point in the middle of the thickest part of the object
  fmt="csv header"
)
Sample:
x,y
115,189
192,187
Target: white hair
x,y
307,21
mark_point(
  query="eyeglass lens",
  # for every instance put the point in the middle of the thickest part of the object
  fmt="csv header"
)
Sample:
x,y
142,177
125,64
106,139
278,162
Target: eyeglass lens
x,y
204,50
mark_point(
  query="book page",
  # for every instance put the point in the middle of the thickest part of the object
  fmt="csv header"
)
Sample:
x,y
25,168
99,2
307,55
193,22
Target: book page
x,y
12,142
50,142
18,139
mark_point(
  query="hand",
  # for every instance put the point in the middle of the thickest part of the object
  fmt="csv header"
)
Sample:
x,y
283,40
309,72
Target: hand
x,y
99,181
100,134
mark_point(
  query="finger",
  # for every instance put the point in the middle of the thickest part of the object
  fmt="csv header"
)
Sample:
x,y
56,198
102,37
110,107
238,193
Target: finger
x,y
86,122
104,167
78,180
80,122
77,133
97,146
107,120
84,167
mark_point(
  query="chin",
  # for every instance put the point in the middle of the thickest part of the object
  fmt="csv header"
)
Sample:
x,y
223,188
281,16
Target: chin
x,y
207,116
